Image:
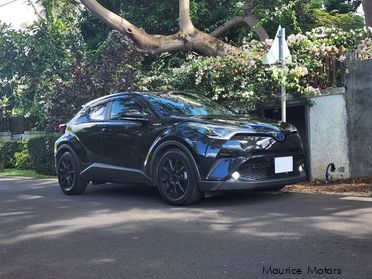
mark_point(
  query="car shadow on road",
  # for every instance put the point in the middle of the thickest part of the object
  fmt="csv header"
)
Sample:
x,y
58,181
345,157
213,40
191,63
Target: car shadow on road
x,y
148,193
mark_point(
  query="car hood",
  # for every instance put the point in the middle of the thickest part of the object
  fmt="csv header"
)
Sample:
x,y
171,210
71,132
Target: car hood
x,y
246,125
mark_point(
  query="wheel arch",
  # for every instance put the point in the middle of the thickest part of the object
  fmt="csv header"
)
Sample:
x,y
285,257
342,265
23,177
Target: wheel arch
x,y
169,144
63,148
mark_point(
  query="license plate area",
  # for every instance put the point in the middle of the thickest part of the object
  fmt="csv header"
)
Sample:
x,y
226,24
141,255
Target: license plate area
x,y
283,164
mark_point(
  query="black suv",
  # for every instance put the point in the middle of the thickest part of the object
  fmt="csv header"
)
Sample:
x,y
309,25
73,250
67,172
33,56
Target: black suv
x,y
183,144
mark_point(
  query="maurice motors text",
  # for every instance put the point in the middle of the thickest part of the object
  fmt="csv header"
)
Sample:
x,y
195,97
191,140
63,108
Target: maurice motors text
x,y
314,270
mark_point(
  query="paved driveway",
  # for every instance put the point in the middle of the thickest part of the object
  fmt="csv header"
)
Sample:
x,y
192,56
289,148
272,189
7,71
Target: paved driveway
x,y
116,231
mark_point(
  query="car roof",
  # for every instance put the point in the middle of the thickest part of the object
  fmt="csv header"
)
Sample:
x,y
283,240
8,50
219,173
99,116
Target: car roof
x,y
156,93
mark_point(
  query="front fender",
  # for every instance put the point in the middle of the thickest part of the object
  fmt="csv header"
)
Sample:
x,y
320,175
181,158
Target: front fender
x,y
183,137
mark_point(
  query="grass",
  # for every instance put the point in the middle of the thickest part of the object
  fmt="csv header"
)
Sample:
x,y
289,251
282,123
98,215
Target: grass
x,y
25,173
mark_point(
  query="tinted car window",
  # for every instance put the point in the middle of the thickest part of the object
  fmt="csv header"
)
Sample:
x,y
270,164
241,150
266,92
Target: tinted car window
x,y
125,107
186,105
81,116
98,112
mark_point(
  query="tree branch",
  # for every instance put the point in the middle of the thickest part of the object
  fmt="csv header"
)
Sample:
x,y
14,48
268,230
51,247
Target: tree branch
x,y
227,26
252,22
187,37
143,41
184,17
247,18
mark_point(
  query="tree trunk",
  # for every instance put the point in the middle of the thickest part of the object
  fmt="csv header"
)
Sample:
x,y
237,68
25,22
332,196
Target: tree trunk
x,y
188,37
367,7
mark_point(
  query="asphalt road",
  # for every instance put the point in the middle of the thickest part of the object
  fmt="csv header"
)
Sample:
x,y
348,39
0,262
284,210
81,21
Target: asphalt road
x,y
116,231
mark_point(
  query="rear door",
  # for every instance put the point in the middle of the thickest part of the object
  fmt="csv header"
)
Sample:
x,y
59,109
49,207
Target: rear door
x,y
88,129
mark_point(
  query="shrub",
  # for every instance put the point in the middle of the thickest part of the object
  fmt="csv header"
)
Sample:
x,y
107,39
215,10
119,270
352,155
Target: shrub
x,y
112,68
7,151
244,82
22,160
41,151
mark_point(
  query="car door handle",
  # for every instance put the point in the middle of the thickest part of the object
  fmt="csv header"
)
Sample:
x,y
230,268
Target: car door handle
x,y
103,130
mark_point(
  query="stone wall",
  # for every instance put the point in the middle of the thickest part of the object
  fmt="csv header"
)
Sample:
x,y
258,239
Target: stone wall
x,y
358,98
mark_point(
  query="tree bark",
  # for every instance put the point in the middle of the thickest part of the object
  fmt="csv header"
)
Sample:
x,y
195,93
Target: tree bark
x,y
249,19
367,7
188,37
227,26
186,25
252,21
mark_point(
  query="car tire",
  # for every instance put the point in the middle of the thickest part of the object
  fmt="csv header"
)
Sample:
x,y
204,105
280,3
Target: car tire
x,y
68,173
176,178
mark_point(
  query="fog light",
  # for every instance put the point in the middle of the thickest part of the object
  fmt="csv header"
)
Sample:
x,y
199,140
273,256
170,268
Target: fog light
x,y
235,175
301,168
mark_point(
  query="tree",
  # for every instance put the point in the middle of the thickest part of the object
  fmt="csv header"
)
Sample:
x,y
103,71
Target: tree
x,y
341,6
187,37
112,68
32,60
367,7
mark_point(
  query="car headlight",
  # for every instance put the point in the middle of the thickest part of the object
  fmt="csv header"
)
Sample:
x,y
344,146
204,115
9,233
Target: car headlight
x,y
213,131
292,129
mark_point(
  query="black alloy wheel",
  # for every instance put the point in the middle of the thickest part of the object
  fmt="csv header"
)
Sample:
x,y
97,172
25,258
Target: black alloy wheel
x,y
68,175
176,179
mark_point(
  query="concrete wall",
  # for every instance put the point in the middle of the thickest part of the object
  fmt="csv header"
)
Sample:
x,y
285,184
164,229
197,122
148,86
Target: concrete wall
x,y
358,98
327,133
25,136
5,136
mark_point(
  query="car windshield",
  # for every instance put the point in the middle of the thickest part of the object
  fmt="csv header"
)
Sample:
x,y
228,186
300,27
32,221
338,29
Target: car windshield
x,y
186,105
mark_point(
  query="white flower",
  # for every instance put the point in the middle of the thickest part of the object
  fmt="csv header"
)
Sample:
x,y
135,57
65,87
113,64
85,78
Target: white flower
x,y
342,58
269,42
313,91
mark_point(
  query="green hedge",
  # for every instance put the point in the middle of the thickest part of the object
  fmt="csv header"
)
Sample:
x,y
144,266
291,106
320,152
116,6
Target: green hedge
x,y
41,150
36,154
8,149
22,160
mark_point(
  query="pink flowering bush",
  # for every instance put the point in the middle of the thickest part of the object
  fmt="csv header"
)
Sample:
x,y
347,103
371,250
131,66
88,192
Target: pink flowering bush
x,y
318,61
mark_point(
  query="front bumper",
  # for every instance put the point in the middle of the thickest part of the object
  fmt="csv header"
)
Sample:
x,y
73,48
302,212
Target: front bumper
x,y
232,184
256,172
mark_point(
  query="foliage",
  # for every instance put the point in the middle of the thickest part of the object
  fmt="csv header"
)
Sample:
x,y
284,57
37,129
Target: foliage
x,y
8,149
346,21
161,17
341,6
69,56
22,159
41,150
110,69
243,81
32,60
363,51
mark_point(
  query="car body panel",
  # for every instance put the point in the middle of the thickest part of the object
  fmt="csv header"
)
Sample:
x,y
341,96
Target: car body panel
x,y
127,150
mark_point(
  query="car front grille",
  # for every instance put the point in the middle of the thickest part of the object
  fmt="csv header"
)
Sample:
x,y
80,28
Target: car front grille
x,y
264,172
264,145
